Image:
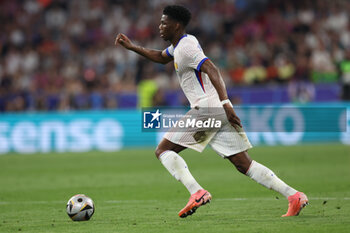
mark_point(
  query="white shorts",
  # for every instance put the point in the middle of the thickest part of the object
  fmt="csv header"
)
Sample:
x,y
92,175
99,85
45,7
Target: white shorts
x,y
226,141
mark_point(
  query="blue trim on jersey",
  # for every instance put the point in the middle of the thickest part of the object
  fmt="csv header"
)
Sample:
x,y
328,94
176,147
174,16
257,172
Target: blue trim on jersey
x,y
167,52
179,40
201,63
199,78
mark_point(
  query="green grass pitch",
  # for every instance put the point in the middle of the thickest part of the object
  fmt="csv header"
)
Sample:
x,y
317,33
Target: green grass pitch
x,y
133,192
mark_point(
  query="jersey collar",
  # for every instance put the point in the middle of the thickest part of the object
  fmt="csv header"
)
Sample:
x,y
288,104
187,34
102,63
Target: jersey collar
x,y
180,39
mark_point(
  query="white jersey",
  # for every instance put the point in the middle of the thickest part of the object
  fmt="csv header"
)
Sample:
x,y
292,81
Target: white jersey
x,y
226,141
188,59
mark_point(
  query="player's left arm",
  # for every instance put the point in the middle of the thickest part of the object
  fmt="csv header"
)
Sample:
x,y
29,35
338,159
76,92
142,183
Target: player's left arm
x,y
216,79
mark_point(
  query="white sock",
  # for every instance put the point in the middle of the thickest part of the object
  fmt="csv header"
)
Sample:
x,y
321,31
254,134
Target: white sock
x,y
178,169
267,178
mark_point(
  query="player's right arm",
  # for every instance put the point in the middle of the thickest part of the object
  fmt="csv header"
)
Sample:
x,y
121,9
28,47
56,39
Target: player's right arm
x,y
152,54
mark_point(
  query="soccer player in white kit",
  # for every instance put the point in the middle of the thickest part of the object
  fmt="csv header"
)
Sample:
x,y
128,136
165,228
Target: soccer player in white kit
x,y
204,87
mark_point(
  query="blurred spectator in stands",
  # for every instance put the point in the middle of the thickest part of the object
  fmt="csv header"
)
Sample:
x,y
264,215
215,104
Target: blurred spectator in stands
x,y
256,72
301,89
323,68
147,87
285,68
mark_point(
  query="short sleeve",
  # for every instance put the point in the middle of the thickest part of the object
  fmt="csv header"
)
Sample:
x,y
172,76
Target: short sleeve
x,y
170,51
193,56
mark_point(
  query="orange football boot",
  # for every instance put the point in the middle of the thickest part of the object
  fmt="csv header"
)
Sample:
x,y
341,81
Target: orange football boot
x,y
201,197
296,203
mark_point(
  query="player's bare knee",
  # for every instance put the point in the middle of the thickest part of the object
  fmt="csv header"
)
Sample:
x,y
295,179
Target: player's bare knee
x,y
241,168
158,152
241,161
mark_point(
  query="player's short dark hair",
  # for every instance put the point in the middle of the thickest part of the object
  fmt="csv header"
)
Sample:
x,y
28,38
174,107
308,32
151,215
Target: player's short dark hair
x,y
178,13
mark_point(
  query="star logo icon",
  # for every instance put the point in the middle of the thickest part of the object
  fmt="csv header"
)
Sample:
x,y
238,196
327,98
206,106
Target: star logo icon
x,y
156,115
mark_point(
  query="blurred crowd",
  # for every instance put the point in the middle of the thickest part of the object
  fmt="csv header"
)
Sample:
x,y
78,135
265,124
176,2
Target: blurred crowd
x,y
60,54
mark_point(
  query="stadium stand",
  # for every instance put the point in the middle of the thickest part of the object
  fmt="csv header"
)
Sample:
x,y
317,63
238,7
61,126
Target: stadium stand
x,y
60,55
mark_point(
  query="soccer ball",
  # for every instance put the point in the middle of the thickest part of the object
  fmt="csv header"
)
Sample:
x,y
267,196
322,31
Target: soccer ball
x,y
80,208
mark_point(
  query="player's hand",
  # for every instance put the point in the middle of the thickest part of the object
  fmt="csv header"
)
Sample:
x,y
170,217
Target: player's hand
x,y
124,41
233,118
